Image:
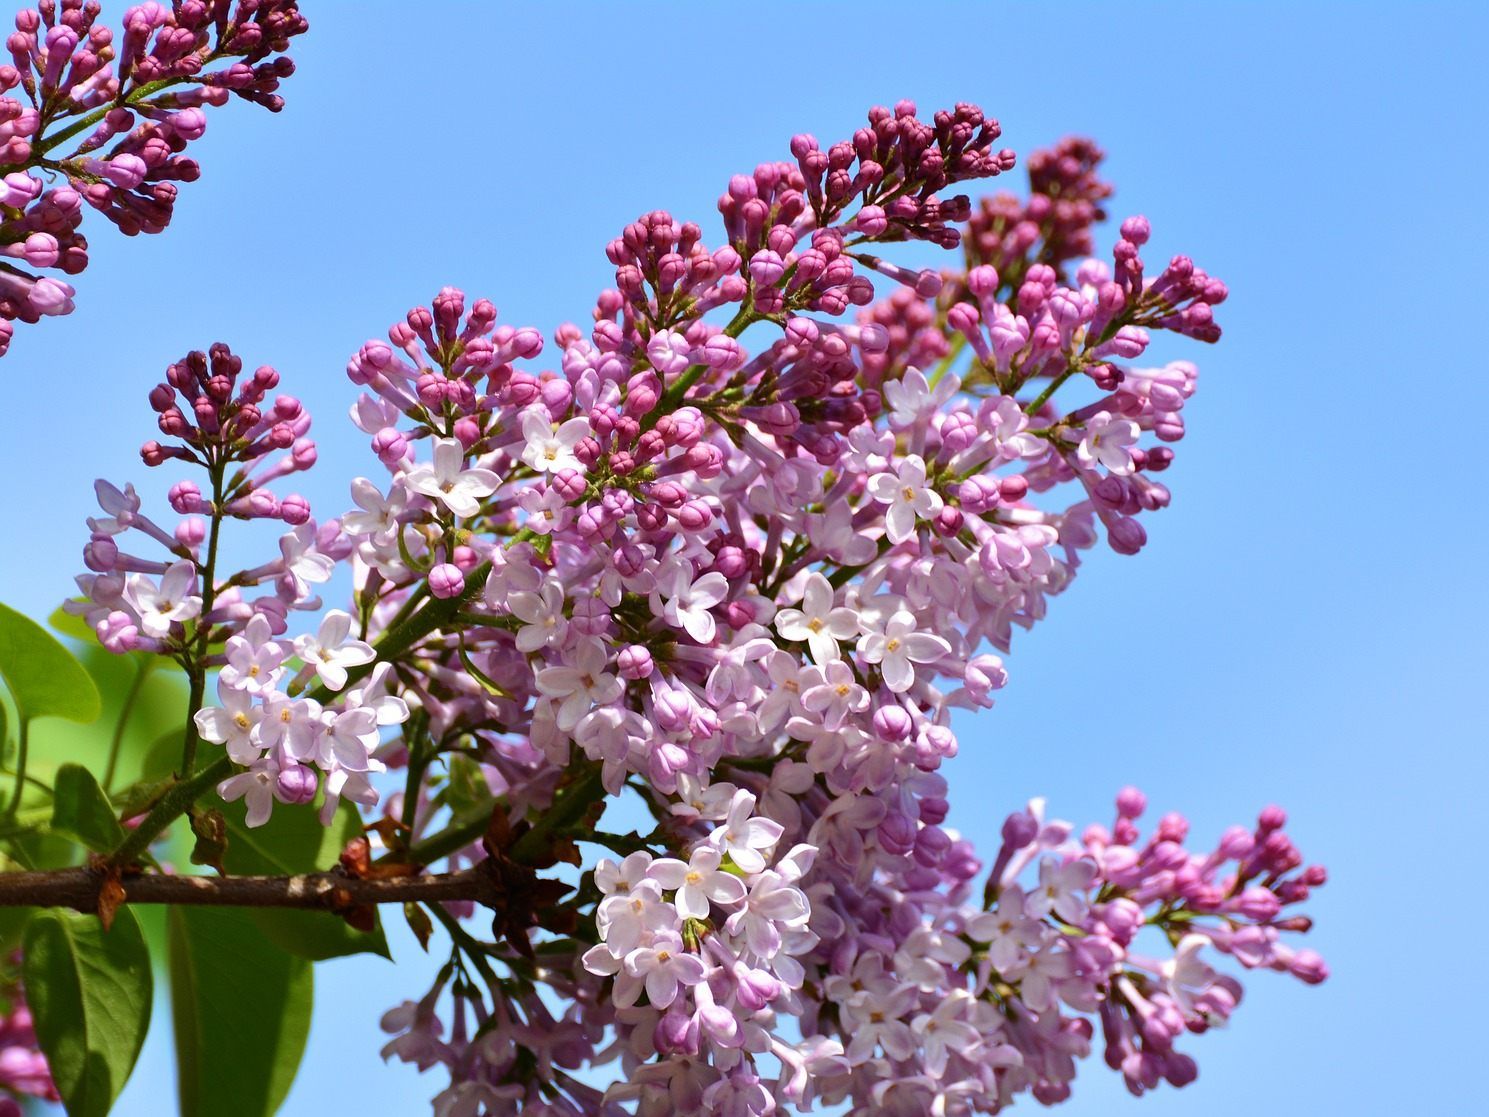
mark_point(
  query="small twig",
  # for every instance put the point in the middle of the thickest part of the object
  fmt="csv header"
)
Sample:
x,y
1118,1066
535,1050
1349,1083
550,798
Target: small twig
x,y
329,891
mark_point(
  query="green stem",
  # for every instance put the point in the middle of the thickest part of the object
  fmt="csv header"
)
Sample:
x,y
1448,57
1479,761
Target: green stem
x,y
172,805
23,746
567,809
1054,386
134,97
142,671
448,841
203,636
466,943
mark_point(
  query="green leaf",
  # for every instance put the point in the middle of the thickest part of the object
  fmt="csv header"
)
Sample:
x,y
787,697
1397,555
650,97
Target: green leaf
x,y
157,708
71,624
43,677
89,992
241,1009
81,810
466,791
12,923
294,841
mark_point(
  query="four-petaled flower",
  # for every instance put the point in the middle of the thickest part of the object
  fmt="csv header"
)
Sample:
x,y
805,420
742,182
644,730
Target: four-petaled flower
x,y
698,881
579,685
744,838
899,647
330,651
1108,440
663,966
686,600
446,479
818,623
171,602
541,614
908,496
550,445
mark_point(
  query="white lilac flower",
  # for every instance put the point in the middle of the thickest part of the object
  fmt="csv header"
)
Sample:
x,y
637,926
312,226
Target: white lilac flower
x,y
541,614
254,658
446,479
170,602
331,651
580,684
686,600
1108,440
376,515
818,623
743,837
550,446
698,882
231,724
908,495
899,647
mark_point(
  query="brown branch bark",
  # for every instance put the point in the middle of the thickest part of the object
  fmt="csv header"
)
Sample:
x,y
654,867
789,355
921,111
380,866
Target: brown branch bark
x,y
330,891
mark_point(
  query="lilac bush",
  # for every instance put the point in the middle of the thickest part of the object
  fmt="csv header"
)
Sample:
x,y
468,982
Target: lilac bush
x,y
653,646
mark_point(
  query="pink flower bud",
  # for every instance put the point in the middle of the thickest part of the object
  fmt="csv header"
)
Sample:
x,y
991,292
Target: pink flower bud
x,y
634,662
295,785
294,510
446,580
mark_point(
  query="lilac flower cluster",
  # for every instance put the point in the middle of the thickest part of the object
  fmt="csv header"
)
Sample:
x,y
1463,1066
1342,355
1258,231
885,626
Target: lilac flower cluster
x,y
113,120
917,995
224,423
742,585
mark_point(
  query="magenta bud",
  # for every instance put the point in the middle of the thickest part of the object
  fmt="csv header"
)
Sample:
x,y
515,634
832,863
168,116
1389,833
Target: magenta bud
x,y
468,431
557,395
897,834
1131,803
1308,966
570,484
390,445
191,532
893,723
651,517
185,497
1271,818
634,662
294,510
446,580
694,516
1137,230
737,614
117,633
948,521
296,785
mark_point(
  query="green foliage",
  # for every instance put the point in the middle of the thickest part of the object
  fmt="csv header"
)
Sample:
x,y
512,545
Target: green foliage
x,y
81,810
89,992
155,705
294,841
43,677
466,792
241,1009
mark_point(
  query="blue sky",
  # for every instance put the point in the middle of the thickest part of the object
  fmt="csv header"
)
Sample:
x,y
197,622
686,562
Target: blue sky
x,y
1307,625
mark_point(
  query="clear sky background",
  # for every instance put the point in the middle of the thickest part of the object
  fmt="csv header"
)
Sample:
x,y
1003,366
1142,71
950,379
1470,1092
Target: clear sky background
x,y
1307,625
